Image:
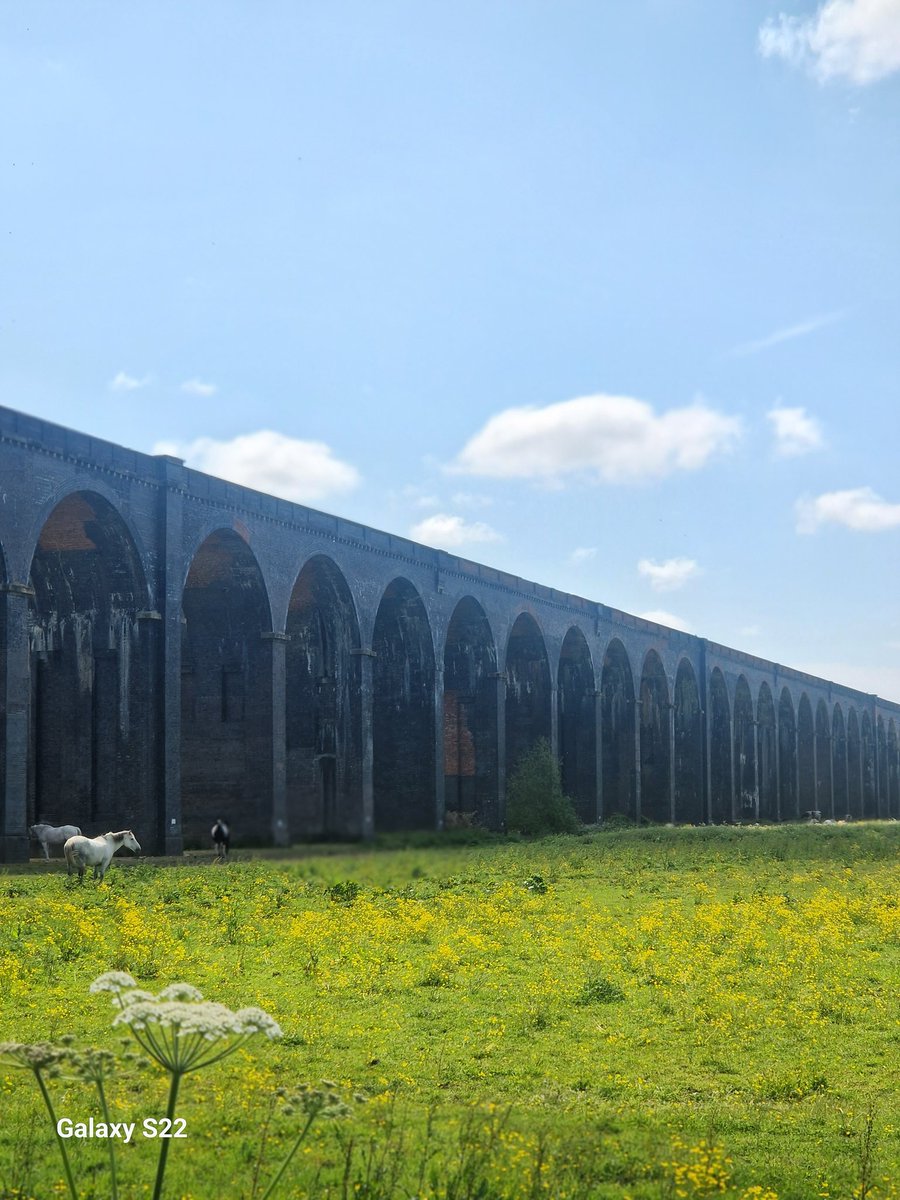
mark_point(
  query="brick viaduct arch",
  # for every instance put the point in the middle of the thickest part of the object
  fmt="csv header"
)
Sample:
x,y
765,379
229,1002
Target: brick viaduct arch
x,y
174,648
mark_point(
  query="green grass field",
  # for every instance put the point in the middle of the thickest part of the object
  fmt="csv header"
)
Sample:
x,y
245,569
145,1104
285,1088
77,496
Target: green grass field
x,y
634,1013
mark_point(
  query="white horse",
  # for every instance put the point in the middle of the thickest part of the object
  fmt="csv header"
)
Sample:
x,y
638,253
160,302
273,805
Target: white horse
x,y
97,852
53,835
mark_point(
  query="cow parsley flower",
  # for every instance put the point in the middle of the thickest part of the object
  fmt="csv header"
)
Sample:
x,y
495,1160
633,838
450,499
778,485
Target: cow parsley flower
x,y
180,991
41,1059
133,996
254,1020
42,1056
182,1031
112,981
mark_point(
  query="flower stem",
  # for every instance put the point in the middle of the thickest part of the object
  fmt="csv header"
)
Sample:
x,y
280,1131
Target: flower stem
x,y
61,1143
264,1137
114,1187
164,1147
293,1150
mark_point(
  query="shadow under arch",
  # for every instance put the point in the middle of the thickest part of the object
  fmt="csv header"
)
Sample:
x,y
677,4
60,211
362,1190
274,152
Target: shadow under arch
x,y
806,757
893,771
471,775
746,799
323,705
226,694
528,689
4,579
824,793
839,763
403,712
882,775
656,767
617,721
789,798
577,724
766,767
854,765
867,750
90,759
721,787
688,765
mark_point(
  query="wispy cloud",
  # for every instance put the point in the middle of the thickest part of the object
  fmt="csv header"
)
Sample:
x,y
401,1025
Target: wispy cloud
x,y
661,617
471,500
413,495
881,681
788,333
670,575
582,554
860,509
196,387
615,439
857,40
445,531
123,382
796,432
304,472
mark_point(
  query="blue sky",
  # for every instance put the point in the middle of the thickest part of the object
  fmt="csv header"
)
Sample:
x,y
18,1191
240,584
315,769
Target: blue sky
x,y
603,294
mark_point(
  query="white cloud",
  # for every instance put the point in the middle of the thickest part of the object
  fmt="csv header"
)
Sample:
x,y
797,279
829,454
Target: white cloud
x,y
123,382
582,554
661,617
860,509
446,532
750,631
670,575
788,333
196,387
858,40
304,472
616,438
795,431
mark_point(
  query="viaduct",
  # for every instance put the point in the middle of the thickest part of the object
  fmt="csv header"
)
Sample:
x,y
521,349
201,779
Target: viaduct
x,y
174,648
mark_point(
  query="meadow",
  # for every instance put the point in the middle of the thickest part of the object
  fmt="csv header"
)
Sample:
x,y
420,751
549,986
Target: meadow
x,y
643,1013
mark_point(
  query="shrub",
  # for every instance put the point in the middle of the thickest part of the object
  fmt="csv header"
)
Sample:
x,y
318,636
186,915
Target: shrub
x,y
343,892
536,884
535,803
597,989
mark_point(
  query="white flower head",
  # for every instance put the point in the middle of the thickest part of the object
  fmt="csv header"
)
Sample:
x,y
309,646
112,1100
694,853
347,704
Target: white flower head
x,y
254,1020
181,991
134,996
181,1034
37,1057
136,1015
112,981
211,1021
178,1027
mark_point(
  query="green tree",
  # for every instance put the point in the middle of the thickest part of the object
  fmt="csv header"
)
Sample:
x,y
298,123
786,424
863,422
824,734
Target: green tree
x,y
535,802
